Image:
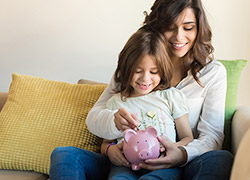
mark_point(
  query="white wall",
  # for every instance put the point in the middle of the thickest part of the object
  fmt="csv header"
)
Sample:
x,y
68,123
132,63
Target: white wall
x,y
66,40
230,22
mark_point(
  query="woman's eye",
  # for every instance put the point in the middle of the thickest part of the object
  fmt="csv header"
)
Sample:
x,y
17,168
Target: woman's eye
x,y
188,29
154,72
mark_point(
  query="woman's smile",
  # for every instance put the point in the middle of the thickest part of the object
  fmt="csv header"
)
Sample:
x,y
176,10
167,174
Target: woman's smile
x,y
181,36
178,46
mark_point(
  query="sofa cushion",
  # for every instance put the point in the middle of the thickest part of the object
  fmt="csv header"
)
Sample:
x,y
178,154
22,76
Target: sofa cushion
x,y
234,68
21,175
86,81
40,115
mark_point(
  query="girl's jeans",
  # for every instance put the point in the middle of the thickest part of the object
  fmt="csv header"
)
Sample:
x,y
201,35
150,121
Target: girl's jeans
x,y
120,172
71,163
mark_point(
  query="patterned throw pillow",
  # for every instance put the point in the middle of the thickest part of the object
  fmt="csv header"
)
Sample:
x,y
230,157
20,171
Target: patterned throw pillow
x,y
40,115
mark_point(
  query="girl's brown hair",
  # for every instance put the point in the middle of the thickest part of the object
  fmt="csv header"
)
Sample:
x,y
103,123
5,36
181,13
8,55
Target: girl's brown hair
x,y
164,13
141,43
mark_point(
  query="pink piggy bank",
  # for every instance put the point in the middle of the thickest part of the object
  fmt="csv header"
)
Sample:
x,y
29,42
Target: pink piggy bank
x,y
140,145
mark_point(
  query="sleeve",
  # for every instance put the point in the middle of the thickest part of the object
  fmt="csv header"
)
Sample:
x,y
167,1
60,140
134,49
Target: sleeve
x,y
100,120
113,102
178,103
211,124
109,103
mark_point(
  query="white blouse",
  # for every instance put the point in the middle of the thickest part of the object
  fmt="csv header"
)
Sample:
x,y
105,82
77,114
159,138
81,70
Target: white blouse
x,y
206,110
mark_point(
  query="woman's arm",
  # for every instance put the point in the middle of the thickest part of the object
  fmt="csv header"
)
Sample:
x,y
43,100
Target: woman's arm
x,y
211,121
184,131
173,157
100,120
106,123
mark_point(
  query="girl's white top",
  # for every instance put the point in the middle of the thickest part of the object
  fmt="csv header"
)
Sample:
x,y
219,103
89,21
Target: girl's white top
x,y
158,109
206,110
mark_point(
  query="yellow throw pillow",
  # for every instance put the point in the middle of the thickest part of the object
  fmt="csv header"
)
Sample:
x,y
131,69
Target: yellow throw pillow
x,y
40,115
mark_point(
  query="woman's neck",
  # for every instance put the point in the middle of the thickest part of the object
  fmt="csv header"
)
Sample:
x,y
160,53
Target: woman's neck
x,y
179,71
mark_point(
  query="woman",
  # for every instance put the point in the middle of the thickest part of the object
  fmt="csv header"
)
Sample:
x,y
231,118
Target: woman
x,y
201,79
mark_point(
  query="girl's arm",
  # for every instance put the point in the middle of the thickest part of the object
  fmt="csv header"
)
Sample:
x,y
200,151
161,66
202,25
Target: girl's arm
x,y
184,131
105,144
114,152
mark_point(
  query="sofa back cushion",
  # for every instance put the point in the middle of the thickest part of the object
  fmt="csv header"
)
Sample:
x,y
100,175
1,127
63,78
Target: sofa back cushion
x,y
234,68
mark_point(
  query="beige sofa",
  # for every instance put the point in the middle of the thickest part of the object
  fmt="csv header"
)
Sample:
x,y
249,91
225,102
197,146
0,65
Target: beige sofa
x,y
240,124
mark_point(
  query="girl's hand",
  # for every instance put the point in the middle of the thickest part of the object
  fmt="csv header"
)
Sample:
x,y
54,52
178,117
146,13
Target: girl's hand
x,y
116,157
173,157
125,120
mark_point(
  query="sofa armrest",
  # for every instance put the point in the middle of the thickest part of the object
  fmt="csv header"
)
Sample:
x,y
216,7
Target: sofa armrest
x,y
240,125
3,99
241,168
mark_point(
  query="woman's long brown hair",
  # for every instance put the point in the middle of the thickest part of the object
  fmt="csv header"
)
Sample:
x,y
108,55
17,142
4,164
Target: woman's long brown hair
x,y
164,13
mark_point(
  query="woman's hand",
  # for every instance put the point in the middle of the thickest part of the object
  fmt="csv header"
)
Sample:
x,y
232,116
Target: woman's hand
x,y
125,120
116,157
173,156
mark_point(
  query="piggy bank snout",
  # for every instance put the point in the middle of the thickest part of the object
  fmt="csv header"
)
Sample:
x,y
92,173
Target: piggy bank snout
x,y
144,154
140,145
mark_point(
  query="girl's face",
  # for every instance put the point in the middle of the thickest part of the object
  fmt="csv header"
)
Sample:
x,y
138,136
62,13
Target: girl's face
x,y
181,35
146,77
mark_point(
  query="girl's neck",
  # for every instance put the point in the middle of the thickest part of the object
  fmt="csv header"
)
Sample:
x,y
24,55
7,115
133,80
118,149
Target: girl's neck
x,y
135,95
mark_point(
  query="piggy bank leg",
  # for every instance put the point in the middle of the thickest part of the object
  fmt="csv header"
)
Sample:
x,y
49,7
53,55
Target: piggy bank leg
x,y
135,167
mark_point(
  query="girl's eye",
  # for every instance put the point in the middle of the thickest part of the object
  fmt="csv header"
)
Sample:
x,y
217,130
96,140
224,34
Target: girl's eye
x,y
154,72
137,72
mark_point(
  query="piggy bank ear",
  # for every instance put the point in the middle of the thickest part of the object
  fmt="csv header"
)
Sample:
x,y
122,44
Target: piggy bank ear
x,y
151,130
128,133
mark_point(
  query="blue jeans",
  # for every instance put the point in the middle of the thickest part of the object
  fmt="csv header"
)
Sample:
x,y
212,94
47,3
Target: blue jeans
x,y
120,172
71,163
215,165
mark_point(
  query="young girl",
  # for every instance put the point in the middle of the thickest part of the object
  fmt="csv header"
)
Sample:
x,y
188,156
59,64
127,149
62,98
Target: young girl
x,y
143,76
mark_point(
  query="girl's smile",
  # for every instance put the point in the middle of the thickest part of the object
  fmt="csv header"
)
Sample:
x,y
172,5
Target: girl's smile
x,y
143,86
146,77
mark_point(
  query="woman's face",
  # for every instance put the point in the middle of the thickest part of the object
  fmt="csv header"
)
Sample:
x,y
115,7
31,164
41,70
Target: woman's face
x,y
181,35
